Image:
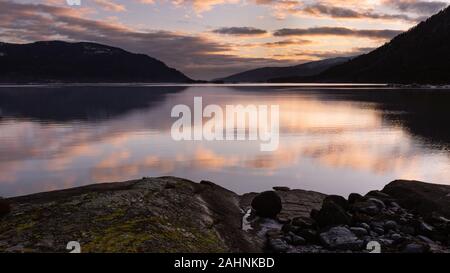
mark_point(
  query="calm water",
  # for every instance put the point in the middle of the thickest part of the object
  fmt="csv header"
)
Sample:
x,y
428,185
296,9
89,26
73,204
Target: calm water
x,y
333,140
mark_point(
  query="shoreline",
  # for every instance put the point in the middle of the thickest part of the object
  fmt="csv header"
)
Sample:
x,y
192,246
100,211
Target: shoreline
x,y
170,214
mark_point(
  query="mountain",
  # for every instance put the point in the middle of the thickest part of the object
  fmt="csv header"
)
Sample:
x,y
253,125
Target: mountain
x,y
267,74
420,55
57,61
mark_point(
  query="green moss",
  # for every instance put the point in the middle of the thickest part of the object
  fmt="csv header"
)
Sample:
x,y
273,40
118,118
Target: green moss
x,y
118,213
154,234
24,226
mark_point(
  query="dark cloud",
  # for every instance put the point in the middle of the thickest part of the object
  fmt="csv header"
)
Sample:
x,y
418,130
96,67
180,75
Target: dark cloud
x,y
339,31
239,31
338,12
306,54
417,6
287,43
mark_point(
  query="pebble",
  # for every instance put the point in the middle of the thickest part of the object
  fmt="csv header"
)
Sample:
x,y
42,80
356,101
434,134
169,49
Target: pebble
x,y
341,238
414,248
379,230
389,225
278,245
359,231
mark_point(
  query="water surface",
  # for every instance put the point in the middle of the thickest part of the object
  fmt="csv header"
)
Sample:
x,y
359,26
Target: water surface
x,y
334,139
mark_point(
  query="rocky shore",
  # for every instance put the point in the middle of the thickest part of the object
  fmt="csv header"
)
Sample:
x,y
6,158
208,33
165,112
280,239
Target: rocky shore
x,y
171,214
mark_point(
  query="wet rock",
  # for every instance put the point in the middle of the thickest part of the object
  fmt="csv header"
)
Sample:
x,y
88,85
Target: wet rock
x,y
379,230
267,204
425,228
380,204
341,238
278,245
396,237
364,225
390,225
5,207
386,242
355,197
366,207
359,231
303,222
310,235
414,248
332,214
425,239
297,240
281,189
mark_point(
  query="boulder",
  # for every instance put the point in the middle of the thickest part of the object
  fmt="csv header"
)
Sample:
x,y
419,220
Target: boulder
x,y
366,207
332,214
341,238
355,197
341,201
278,245
267,204
423,198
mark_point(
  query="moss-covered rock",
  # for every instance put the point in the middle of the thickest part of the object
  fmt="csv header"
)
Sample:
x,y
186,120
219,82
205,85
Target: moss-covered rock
x,y
136,216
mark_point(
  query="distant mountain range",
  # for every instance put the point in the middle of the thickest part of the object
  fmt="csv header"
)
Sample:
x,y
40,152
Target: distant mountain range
x,y
57,61
268,74
420,55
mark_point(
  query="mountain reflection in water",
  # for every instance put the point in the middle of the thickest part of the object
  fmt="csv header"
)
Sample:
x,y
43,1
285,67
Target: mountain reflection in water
x,y
333,140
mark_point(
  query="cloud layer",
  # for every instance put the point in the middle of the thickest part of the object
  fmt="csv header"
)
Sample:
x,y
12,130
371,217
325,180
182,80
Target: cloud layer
x,y
210,51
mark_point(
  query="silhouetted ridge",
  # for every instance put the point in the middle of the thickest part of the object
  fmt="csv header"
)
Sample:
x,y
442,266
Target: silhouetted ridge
x,y
57,61
420,55
268,74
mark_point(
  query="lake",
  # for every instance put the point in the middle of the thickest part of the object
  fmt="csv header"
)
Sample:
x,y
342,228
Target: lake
x,y
333,139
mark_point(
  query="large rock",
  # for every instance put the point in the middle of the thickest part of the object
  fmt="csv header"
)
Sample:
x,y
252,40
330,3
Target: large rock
x,y
421,197
341,201
341,238
267,204
366,207
136,216
355,197
331,214
5,208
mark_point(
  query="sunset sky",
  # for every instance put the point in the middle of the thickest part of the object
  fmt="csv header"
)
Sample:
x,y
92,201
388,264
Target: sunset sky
x,y
207,39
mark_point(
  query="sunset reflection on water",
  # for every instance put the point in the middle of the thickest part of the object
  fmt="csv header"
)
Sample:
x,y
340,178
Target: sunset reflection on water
x,y
328,143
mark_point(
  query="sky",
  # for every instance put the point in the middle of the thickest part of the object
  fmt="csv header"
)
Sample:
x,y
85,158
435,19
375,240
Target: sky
x,y
208,39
